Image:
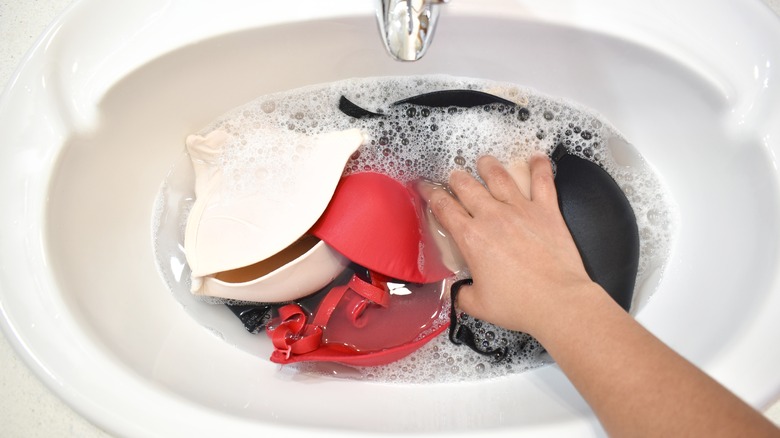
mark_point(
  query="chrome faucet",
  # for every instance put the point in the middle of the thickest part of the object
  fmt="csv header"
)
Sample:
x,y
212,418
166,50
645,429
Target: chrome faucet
x,y
407,26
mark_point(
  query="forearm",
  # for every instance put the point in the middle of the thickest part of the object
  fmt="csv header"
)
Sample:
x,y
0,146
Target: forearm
x,y
528,276
635,384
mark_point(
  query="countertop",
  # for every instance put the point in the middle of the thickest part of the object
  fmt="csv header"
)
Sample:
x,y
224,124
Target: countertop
x,y
27,408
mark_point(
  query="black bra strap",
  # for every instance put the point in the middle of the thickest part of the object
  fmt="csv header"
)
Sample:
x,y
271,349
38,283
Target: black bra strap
x,y
254,316
460,334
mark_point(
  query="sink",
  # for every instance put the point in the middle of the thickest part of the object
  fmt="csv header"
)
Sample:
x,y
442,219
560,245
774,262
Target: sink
x,y
99,112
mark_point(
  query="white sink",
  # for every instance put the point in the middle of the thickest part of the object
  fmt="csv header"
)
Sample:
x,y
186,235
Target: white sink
x,y
99,113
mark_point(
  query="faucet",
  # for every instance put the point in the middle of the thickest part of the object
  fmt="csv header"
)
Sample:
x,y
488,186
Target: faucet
x,y
407,26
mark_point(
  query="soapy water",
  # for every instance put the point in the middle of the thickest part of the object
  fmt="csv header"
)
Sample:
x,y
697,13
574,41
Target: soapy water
x,y
411,143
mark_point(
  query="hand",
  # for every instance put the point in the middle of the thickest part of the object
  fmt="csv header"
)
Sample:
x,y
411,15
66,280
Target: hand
x,y
528,276
515,242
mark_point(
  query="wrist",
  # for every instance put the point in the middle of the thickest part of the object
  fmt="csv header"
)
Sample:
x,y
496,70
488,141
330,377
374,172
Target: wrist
x,y
577,311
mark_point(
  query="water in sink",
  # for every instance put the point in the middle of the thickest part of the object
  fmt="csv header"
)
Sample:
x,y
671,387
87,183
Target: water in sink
x,y
409,144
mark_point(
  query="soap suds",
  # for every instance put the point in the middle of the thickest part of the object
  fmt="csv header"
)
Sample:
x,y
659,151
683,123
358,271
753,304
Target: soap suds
x,y
410,143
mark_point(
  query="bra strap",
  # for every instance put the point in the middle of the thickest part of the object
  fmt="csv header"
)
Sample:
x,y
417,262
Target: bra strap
x,y
295,336
461,334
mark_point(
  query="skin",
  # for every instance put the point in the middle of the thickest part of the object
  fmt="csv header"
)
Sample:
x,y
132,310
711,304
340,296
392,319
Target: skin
x,y
528,276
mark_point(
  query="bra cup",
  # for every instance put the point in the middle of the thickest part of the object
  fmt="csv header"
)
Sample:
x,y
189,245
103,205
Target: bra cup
x,y
370,327
229,228
602,224
375,221
346,323
301,277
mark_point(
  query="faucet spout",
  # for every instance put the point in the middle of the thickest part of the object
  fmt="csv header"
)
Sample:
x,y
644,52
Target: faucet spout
x,y
407,26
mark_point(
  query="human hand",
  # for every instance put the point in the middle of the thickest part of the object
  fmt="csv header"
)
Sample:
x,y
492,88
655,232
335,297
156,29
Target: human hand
x,y
514,240
528,276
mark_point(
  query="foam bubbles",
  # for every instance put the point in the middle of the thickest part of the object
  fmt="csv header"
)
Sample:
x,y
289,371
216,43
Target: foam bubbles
x,y
410,142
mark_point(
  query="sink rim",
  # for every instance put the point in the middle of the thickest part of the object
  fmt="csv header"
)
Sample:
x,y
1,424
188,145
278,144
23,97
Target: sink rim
x,y
16,322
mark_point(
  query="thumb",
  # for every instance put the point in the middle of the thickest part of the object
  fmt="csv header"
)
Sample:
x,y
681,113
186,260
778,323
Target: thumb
x,y
467,300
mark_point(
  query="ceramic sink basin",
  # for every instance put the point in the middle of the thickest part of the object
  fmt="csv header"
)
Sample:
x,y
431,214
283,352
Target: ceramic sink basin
x,y
98,113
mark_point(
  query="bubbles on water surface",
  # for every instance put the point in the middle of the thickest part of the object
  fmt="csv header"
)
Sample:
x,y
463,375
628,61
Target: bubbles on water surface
x,y
409,142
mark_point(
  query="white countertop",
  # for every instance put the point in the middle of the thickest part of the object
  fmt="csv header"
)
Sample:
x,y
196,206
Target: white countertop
x,y
27,408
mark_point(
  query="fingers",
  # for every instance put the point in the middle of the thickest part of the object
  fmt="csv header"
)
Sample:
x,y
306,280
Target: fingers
x,y
466,300
532,181
501,185
447,210
521,174
471,194
542,183
500,182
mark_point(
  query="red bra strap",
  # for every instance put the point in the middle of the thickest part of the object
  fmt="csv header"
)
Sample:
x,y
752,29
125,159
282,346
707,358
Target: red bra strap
x,y
294,336
375,293
362,288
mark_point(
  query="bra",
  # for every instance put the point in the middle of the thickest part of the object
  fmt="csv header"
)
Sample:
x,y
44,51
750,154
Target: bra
x,y
362,319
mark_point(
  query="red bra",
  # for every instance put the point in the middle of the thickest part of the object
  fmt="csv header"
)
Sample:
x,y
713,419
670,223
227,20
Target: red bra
x,y
360,322
377,222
